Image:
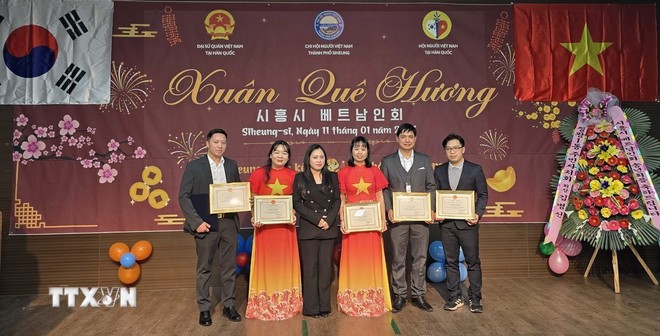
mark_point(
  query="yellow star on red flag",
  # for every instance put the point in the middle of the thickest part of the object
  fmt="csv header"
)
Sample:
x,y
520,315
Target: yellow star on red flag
x,y
277,188
362,187
586,52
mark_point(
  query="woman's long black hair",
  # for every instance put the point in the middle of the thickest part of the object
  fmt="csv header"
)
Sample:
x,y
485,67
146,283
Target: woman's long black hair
x,y
269,163
326,183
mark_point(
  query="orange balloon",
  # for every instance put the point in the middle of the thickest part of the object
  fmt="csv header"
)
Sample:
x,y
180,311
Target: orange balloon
x,y
141,250
129,275
117,250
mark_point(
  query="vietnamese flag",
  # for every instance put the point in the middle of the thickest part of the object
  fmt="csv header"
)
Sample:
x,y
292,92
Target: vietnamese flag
x,y
564,49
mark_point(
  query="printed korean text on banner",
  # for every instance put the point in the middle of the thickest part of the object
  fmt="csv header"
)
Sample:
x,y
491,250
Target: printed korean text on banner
x,y
55,52
563,49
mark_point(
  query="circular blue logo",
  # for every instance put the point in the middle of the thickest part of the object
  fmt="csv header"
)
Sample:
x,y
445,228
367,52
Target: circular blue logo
x,y
329,25
30,51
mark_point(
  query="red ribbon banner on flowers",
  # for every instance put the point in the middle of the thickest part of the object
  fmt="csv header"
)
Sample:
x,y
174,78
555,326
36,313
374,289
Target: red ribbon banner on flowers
x,y
566,179
631,148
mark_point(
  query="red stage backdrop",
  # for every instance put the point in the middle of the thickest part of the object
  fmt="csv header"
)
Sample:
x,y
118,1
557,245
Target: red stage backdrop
x,y
305,73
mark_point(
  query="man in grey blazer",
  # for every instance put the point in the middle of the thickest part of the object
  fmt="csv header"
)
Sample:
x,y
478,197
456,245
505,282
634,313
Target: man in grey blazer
x,y
212,233
459,174
407,170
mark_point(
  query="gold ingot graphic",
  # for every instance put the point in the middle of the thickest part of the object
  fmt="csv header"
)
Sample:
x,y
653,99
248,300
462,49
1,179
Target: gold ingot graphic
x,y
503,180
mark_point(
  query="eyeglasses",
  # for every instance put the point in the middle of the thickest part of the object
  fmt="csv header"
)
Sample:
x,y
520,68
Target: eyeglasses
x,y
453,149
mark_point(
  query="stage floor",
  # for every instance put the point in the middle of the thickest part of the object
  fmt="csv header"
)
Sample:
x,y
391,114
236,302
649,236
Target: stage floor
x,y
513,306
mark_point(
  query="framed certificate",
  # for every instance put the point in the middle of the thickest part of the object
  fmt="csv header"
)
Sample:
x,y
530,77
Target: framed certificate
x,y
229,197
360,217
454,204
409,207
273,209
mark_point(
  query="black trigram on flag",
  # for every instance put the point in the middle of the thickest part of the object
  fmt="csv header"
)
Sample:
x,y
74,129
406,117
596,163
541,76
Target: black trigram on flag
x,y
71,77
73,24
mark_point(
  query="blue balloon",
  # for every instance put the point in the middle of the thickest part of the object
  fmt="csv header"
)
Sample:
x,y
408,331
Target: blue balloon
x,y
248,244
462,269
437,251
436,272
240,247
461,256
238,270
127,260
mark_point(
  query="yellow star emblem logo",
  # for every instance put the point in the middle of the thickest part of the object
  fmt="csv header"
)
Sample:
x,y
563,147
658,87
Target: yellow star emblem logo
x,y
277,188
586,51
362,187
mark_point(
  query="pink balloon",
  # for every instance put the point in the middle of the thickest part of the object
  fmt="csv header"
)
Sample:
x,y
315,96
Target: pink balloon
x,y
570,247
558,262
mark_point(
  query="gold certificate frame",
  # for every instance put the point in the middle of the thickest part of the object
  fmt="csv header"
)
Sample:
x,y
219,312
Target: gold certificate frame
x,y
273,209
454,204
360,217
409,207
229,197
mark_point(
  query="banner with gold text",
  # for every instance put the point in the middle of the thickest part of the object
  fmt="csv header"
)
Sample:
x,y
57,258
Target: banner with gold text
x,y
304,73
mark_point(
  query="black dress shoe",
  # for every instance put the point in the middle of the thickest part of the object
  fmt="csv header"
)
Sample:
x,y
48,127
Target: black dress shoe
x,y
325,314
397,305
205,318
231,314
422,304
313,315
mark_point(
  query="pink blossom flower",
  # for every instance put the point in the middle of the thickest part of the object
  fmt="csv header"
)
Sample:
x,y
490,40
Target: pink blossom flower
x,y
16,156
86,163
107,174
97,164
92,152
41,132
22,120
58,153
68,125
113,158
593,211
140,153
130,140
613,225
32,147
604,225
53,148
626,179
576,187
588,201
633,204
624,210
73,141
121,157
113,145
17,134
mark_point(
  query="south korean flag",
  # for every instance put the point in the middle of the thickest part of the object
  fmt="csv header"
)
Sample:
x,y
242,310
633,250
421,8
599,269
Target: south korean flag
x,y
55,51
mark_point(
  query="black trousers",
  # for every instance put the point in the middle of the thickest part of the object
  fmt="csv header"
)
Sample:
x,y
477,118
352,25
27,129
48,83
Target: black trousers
x,y
317,269
453,239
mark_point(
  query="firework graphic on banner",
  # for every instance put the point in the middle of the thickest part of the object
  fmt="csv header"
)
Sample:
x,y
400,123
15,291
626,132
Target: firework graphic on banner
x,y
187,147
493,145
129,89
502,66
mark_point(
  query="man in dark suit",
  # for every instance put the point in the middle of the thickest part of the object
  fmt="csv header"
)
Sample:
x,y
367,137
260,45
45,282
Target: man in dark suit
x,y
459,174
407,170
212,233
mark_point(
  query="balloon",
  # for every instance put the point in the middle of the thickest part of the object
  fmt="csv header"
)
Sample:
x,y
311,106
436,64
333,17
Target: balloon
x,y
240,247
141,250
129,275
238,270
437,251
117,250
127,260
461,256
558,262
546,248
462,269
242,259
436,272
570,247
336,254
248,244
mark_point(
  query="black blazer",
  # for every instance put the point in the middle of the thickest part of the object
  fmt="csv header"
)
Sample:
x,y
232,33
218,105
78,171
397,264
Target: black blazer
x,y
472,178
314,205
195,185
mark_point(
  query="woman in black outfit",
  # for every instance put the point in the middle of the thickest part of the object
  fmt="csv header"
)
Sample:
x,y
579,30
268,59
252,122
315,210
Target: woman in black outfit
x,y
316,201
